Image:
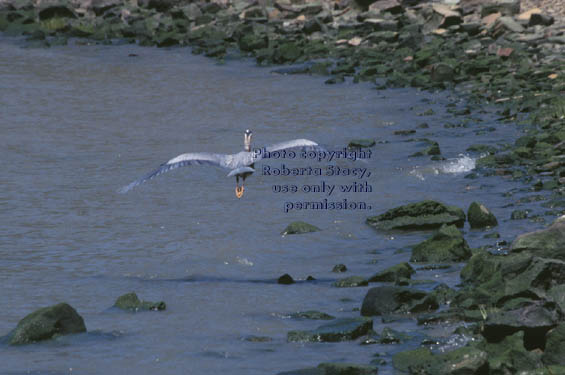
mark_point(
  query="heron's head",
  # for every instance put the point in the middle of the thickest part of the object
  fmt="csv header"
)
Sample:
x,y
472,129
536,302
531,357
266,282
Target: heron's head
x,y
247,140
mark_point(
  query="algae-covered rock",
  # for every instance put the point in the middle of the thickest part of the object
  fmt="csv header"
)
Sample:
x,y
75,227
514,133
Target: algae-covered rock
x,y
131,302
338,330
394,299
391,274
509,356
351,281
479,216
299,227
465,360
47,322
447,245
416,361
422,215
548,242
554,353
312,314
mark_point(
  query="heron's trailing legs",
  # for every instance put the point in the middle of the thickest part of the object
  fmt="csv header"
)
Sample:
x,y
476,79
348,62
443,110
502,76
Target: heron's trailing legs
x,y
238,189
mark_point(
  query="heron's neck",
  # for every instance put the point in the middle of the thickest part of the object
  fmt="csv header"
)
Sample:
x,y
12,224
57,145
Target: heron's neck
x,y
247,146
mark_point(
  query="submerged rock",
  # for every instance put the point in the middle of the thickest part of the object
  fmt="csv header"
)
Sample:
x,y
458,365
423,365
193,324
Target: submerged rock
x,y
46,323
391,274
334,369
394,299
131,302
422,215
285,279
338,330
339,268
312,314
361,143
480,217
351,281
299,227
447,245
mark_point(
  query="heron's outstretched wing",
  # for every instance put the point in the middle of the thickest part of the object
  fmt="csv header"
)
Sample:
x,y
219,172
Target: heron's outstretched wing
x,y
301,144
197,158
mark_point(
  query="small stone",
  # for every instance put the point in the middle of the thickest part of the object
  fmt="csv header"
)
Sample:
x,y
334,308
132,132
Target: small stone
x,y
299,227
339,268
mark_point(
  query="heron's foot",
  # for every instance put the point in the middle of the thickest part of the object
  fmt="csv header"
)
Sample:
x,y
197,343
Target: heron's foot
x,y
239,191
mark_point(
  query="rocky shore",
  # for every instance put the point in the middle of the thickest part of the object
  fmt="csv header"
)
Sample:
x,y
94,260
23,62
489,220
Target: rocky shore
x,y
501,53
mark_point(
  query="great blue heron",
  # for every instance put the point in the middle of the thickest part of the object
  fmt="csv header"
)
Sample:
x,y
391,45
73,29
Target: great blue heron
x,y
240,164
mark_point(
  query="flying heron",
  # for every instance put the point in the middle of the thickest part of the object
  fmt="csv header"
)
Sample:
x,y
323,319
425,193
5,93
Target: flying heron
x,y
240,164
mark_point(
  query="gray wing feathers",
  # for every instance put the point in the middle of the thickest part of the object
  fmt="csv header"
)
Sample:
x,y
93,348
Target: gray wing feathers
x,y
218,160
302,143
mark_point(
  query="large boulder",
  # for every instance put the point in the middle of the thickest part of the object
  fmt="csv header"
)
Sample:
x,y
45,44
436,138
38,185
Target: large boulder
x,y
393,299
55,9
549,243
447,245
47,322
422,215
480,217
338,330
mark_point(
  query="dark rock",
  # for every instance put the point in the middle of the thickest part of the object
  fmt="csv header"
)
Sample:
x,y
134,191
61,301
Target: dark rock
x,y
334,369
352,281
251,42
285,279
311,314
361,143
253,338
480,217
393,273
347,369
447,245
56,9
535,320
421,215
388,299
131,302
540,19
299,227
46,323
418,361
287,52
391,336
442,72
339,268
338,330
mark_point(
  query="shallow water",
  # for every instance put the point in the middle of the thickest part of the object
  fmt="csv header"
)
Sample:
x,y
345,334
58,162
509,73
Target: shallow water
x,y
79,122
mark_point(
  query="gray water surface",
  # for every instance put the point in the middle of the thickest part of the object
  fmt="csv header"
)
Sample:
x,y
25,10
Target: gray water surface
x,y
79,122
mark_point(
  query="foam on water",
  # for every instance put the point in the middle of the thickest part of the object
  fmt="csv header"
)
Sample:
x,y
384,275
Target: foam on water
x,y
461,164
